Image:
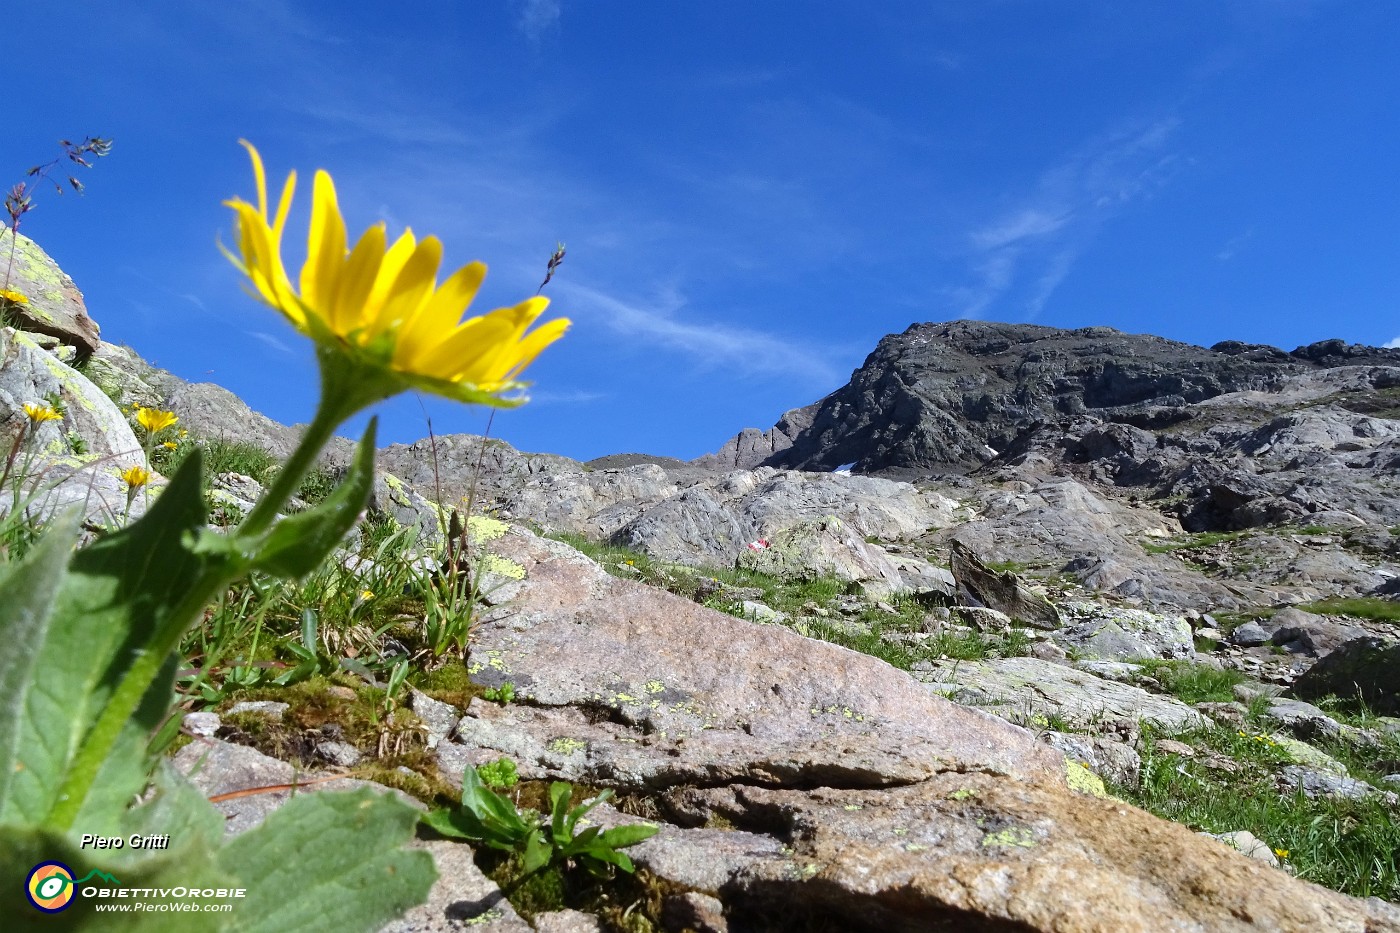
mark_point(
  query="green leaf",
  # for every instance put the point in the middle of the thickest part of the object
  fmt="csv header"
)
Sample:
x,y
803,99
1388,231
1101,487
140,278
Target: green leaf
x,y
490,807
330,862
560,824
619,837
126,769
119,615
609,856
27,593
538,852
298,544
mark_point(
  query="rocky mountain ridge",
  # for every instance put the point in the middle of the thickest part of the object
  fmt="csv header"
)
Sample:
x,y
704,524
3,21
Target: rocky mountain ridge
x,y
955,396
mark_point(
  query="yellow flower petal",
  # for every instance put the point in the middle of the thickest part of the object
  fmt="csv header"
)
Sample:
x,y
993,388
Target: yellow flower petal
x,y
41,413
356,280
325,247
412,286
155,421
395,259
441,313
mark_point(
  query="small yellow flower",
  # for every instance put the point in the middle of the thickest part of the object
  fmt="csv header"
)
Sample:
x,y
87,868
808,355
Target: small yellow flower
x,y
379,305
13,297
41,413
367,594
154,420
1281,853
169,445
135,477
184,433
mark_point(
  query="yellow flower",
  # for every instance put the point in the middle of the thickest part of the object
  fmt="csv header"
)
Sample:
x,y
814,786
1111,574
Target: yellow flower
x,y
154,420
135,477
41,413
1281,853
170,445
380,306
12,296
367,594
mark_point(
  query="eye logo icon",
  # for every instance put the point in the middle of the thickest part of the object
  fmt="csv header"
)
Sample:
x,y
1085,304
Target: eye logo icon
x,y
50,885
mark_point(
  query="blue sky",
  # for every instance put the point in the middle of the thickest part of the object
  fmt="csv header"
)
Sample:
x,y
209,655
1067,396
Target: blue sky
x,y
752,193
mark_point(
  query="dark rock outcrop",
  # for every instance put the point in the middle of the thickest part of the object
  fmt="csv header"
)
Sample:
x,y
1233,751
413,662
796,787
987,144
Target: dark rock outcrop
x,y
1366,668
1139,409
955,395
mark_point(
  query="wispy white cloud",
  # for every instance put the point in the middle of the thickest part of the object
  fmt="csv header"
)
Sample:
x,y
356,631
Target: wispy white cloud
x,y
1233,245
1028,250
1030,223
709,346
1055,272
1392,344
271,341
566,397
538,17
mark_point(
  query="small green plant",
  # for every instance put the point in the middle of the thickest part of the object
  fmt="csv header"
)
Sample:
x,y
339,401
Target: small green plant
x,y
1193,542
503,694
1194,683
398,674
489,819
499,773
244,457
1364,607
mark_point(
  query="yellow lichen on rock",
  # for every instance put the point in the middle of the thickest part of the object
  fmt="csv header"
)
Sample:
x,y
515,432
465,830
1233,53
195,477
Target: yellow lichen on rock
x,y
1084,781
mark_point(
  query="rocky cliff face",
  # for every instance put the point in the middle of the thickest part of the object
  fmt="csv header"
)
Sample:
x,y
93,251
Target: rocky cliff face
x,y
951,397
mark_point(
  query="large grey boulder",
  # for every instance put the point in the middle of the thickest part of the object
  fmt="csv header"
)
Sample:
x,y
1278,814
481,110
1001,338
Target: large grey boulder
x,y
55,306
1114,633
451,467
695,527
1367,668
627,686
28,373
594,504
711,522
825,547
1032,691
58,474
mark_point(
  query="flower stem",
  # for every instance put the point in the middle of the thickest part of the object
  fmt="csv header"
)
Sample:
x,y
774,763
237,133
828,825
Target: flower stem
x,y
288,479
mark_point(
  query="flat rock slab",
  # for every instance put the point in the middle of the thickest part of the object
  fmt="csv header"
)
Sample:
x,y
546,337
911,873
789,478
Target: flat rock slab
x,y
697,691
1031,690
216,767
976,852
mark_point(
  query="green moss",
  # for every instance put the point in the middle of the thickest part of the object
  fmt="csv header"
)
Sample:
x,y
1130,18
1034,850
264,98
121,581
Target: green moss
x,y
450,683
